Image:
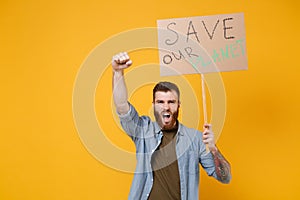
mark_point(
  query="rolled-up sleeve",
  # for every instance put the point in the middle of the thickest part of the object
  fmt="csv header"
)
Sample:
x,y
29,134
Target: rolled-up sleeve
x,y
206,160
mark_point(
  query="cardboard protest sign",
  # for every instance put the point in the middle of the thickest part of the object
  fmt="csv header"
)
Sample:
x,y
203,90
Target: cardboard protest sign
x,y
202,44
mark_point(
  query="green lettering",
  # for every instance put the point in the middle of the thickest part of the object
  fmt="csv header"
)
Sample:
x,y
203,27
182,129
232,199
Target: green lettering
x,y
241,45
198,60
233,48
225,53
203,63
215,56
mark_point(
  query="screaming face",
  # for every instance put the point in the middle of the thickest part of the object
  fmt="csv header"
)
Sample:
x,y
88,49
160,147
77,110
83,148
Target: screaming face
x,y
166,108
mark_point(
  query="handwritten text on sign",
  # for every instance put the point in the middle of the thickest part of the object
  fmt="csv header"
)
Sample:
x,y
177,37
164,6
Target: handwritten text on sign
x,y
202,44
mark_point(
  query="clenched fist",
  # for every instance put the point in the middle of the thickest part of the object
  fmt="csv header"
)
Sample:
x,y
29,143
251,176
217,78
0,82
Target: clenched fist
x,y
121,61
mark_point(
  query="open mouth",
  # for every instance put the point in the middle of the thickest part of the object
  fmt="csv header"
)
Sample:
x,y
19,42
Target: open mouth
x,y
166,115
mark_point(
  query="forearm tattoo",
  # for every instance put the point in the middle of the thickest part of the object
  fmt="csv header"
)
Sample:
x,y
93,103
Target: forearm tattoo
x,y
222,167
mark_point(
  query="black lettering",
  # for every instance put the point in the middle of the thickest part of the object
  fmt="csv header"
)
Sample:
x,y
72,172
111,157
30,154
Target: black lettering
x,y
226,28
169,60
180,55
213,32
191,33
188,51
168,41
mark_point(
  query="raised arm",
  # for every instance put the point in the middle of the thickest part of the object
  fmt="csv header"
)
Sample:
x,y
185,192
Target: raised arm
x,y
120,62
222,166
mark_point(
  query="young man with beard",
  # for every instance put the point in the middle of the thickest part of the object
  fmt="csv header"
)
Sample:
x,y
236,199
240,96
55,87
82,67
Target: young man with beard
x,y
168,153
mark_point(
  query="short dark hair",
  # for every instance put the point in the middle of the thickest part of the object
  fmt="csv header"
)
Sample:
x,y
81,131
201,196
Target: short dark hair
x,y
165,86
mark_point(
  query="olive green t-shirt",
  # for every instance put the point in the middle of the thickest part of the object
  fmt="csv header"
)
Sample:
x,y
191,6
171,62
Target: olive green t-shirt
x,y
166,181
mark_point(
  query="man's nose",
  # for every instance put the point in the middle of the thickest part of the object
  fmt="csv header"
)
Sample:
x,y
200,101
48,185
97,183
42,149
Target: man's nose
x,y
166,106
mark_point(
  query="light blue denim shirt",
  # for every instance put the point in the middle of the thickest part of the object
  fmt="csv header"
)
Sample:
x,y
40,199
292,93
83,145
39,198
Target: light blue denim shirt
x,y
190,151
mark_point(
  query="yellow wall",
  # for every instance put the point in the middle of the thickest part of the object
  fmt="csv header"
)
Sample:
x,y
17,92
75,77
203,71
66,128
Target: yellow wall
x,y
42,47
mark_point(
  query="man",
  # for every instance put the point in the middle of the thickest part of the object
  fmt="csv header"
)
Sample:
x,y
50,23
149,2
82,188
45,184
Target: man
x,y
168,153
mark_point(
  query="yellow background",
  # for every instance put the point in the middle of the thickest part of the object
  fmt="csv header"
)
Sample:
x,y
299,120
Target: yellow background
x,y
42,46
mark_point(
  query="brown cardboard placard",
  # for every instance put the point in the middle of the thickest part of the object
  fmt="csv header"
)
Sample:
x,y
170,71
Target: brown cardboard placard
x,y
202,44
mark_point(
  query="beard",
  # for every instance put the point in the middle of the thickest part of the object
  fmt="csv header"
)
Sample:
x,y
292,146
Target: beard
x,y
166,119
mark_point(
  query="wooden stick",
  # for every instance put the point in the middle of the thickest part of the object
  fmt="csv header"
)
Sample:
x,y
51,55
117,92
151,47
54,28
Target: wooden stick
x,y
204,99
204,104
